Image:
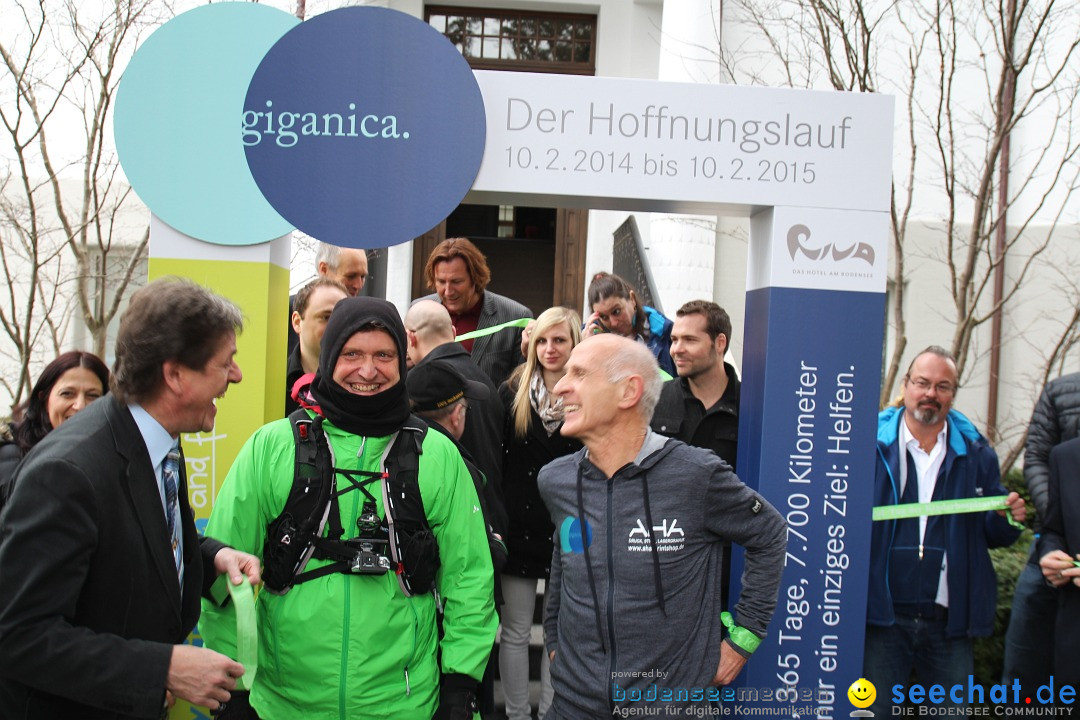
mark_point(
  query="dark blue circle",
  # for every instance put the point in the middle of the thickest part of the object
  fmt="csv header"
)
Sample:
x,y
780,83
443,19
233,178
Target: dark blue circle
x,y
577,542
374,130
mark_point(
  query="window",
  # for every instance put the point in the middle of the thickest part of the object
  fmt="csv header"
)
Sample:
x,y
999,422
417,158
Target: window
x,y
518,39
506,221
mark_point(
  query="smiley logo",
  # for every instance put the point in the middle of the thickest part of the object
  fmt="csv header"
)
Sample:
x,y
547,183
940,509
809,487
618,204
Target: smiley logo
x,y
862,693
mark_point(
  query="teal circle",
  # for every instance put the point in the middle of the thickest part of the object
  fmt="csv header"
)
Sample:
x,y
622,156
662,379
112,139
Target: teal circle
x,y
177,122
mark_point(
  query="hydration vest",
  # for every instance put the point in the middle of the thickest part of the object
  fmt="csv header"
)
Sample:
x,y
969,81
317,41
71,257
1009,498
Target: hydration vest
x,y
310,523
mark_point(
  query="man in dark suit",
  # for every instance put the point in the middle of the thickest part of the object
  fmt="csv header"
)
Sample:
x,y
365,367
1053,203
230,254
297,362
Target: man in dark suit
x,y
458,273
1059,547
100,564
430,336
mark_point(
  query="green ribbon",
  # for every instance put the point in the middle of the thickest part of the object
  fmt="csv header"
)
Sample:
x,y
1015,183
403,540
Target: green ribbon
x,y
740,636
519,324
493,329
247,636
945,507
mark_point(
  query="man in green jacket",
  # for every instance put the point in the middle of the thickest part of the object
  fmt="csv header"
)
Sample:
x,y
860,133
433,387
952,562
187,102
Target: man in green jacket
x,y
353,645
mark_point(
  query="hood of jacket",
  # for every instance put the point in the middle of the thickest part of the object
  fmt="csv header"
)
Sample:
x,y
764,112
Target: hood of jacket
x,y
960,429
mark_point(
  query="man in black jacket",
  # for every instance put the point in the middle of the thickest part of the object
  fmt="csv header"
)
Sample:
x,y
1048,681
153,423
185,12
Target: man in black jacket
x,y
431,337
442,396
701,406
100,564
1059,548
1031,625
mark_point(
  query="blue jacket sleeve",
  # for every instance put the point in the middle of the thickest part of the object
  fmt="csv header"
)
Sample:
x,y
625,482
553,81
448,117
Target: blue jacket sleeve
x,y
999,532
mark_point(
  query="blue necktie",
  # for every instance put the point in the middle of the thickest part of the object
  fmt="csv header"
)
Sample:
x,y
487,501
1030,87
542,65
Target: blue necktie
x,y
170,473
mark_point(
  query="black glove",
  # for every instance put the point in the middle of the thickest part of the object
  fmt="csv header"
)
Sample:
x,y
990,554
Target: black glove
x,y
238,707
457,698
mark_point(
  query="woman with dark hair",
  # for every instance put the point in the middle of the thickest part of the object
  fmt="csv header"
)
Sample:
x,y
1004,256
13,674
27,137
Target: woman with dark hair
x,y
531,439
67,385
615,308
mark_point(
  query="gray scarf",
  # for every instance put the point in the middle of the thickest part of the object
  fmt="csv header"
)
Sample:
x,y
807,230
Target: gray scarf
x,y
546,405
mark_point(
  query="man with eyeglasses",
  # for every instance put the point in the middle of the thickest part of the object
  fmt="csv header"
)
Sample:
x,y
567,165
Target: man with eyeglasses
x,y
932,586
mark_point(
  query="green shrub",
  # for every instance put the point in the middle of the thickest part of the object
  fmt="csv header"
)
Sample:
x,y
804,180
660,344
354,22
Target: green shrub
x,y
1008,562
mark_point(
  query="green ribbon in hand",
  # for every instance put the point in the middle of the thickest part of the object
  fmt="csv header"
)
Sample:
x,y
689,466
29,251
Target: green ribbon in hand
x,y
945,507
247,636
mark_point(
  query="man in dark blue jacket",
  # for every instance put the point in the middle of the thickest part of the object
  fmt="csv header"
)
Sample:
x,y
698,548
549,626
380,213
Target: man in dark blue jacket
x,y
932,586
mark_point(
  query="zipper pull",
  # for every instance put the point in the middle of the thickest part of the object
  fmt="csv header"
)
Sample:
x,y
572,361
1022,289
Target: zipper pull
x,y
920,551
408,688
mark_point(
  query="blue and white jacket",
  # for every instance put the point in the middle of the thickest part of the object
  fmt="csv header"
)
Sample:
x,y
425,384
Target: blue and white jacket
x,y
660,338
970,469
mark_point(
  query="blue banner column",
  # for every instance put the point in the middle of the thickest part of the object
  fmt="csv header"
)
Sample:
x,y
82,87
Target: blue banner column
x,y
812,361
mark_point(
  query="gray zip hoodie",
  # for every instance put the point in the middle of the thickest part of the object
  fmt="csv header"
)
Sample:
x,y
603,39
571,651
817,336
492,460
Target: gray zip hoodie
x,y
634,599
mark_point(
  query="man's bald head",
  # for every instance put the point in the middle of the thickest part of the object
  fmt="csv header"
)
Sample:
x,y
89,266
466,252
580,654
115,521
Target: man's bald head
x,y
625,357
610,388
428,326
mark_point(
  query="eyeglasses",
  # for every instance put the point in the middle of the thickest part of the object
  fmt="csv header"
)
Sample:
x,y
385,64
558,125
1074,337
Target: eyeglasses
x,y
942,388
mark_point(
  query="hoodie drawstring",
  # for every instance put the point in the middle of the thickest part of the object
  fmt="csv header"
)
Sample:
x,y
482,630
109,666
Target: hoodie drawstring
x,y
588,559
657,581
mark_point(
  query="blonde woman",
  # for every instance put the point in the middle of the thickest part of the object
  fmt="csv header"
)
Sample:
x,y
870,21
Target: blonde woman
x,y
531,439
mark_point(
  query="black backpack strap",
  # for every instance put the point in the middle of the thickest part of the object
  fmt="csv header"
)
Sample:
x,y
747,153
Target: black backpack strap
x,y
307,509
413,546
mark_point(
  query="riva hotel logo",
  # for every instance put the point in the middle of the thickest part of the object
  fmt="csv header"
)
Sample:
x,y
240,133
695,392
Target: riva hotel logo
x,y
800,244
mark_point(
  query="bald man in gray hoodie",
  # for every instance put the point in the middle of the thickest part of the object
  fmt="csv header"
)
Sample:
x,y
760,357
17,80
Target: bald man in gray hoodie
x,y
634,615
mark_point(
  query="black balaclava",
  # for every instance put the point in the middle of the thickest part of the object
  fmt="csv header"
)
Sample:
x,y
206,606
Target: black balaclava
x,y
370,416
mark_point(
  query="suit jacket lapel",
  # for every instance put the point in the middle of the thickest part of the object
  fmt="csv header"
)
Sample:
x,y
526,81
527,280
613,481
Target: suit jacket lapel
x,y
487,319
143,489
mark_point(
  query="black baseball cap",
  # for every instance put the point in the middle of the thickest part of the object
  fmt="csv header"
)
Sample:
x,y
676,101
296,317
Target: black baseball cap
x,y
436,384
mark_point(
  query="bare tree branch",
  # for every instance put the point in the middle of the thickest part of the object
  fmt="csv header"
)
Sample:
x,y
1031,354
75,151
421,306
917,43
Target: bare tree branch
x,y
970,75
61,205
